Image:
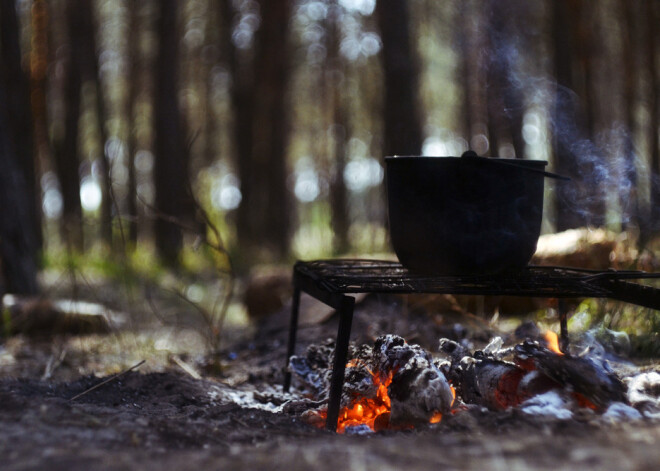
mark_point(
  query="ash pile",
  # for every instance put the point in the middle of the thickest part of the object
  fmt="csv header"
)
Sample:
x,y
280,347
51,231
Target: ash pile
x,y
396,385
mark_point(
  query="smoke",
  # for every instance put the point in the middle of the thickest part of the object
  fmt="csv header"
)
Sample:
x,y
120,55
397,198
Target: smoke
x,y
603,168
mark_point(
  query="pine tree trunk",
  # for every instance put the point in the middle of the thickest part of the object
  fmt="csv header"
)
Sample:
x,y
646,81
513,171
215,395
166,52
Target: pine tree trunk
x,y
653,16
20,127
18,224
65,147
171,163
131,137
91,71
565,122
338,193
629,198
261,129
403,129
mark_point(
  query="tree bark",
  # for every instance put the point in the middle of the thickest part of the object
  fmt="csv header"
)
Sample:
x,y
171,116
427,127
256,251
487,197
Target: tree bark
x,y
335,72
565,120
65,147
171,176
629,198
505,94
261,129
40,25
653,16
90,71
463,40
18,224
403,129
20,127
131,137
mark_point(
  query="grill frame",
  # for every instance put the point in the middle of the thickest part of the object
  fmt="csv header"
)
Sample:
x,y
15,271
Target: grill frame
x,y
332,281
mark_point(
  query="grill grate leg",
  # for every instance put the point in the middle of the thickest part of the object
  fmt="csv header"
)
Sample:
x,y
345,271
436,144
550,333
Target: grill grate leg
x,y
339,365
293,331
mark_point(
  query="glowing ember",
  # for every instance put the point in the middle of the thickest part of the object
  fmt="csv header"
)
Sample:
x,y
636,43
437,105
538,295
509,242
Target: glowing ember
x,y
436,418
552,342
373,412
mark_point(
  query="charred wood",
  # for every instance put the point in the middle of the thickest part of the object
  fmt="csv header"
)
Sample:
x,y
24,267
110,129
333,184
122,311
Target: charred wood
x,y
587,376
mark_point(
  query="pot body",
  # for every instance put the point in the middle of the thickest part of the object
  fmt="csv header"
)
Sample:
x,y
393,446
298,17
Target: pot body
x,y
453,216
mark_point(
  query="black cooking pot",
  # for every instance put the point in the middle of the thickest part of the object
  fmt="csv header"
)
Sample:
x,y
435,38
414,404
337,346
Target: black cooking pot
x,y
464,215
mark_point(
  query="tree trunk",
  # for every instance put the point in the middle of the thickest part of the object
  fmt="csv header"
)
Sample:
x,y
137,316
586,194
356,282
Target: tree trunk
x,y
18,225
565,122
335,71
653,16
171,163
91,71
403,129
39,23
594,198
261,129
131,137
271,123
629,199
505,99
20,127
463,38
66,154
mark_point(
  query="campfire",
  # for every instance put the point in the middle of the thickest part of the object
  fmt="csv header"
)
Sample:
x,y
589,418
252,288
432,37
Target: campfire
x,y
540,368
391,385
394,385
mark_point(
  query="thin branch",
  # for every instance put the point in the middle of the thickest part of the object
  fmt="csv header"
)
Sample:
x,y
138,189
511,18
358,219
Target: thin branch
x,y
112,378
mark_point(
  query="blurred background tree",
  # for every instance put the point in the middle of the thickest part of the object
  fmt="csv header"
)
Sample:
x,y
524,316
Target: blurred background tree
x,y
122,119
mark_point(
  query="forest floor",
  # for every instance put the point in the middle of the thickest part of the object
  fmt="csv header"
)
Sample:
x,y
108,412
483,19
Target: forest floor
x,y
179,410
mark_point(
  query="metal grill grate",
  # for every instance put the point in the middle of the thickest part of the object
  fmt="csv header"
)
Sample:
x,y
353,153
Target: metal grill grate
x,y
331,280
379,276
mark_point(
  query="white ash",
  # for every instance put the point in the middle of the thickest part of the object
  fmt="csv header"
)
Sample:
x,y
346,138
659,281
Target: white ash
x,y
495,348
315,379
418,388
391,352
358,380
644,393
270,400
361,429
620,411
549,404
314,368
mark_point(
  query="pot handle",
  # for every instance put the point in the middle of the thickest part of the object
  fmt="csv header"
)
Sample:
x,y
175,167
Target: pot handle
x,y
472,155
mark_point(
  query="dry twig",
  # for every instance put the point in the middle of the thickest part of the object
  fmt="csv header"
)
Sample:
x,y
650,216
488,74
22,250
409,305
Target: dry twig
x,y
112,378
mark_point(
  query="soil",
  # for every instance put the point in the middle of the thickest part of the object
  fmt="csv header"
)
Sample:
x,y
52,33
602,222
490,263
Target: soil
x,y
159,416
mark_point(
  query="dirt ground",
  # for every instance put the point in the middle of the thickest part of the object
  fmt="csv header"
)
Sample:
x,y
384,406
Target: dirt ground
x,y
159,416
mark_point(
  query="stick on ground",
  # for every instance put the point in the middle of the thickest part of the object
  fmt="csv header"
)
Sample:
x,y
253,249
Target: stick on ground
x,y
112,378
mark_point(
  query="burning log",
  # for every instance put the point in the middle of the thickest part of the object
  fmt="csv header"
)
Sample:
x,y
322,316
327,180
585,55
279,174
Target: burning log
x,y
484,379
392,385
419,390
591,378
395,385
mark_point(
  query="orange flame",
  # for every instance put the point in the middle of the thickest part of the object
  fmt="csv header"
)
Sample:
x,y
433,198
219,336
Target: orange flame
x,y
366,410
552,342
373,412
437,416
